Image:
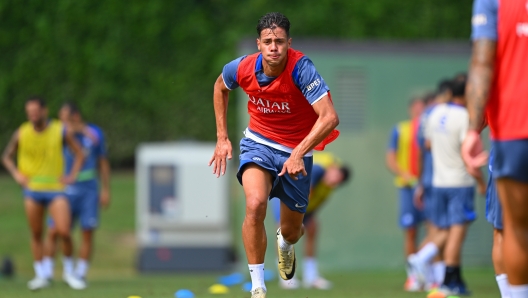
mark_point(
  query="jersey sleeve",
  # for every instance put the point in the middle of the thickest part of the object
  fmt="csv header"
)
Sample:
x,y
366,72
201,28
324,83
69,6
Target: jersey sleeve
x,y
101,150
229,73
309,81
484,19
393,140
317,174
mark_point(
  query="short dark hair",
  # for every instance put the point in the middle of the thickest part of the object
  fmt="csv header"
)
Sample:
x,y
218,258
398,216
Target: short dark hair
x,y
73,107
347,173
37,99
273,20
429,97
444,85
458,87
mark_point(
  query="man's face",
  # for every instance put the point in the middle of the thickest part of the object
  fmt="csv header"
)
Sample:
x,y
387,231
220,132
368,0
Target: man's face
x,y
416,109
64,115
274,44
333,177
35,113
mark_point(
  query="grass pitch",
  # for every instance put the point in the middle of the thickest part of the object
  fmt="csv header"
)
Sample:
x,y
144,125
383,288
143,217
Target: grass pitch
x,y
112,272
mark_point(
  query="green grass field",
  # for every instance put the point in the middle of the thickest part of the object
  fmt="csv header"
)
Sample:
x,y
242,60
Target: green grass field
x,y
112,273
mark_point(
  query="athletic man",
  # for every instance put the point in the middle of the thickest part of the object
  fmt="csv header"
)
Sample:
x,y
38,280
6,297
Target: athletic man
x,y
498,86
38,145
402,159
328,173
452,193
84,195
291,114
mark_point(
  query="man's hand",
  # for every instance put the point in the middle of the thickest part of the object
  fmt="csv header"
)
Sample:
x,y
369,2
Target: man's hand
x,y
418,197
223,151
473,152
481,187
104,198
408,179
21,179
69,179
294,167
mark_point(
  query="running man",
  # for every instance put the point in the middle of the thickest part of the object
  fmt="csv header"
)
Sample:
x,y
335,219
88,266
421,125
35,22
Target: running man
x,y
328,173
498,87
402,160
85,195
291,113
453,192
39,169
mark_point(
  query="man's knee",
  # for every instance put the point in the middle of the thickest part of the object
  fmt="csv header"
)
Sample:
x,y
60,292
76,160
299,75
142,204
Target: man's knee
x,y
291,232
255,209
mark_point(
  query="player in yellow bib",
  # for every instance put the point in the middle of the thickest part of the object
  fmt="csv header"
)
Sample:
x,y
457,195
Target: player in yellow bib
x,y
39,169
328,173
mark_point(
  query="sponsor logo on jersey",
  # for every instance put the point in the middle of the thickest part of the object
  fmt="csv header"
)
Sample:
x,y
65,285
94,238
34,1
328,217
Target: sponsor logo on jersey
x,y
267,106
522,29
313,84
479,20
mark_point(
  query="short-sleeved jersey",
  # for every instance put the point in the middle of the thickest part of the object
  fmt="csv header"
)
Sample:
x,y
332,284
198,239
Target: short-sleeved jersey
x,y
446,128
403,141
39,156
276,104
505,22
426,178
93,146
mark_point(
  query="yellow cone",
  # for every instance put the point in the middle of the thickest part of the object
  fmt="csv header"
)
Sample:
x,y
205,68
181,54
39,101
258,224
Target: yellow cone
x,y
218,289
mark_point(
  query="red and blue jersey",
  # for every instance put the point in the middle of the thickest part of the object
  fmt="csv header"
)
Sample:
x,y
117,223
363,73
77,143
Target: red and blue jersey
x,y
280,108
506,22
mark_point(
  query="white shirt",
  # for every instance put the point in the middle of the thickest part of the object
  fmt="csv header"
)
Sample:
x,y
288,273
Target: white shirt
x,y
446,128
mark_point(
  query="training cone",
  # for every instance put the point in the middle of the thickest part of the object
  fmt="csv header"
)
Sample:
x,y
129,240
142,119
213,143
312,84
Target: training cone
x,y
218,289
269,275
231,279
246,287
184,293
134,297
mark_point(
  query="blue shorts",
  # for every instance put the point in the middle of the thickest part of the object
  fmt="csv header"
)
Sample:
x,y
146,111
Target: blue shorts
x,y
294,193
493,205
42,197
275,208
410,216
84,204
511,159
428,208
452,206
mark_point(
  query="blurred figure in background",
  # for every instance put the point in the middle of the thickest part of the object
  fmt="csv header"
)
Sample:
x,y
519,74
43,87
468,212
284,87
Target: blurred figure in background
x,y
453,193
38,145
498,92
328,173
86,195
402,159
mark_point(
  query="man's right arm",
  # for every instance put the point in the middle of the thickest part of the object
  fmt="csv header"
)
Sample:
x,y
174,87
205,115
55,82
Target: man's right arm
x,y
8,160
223,150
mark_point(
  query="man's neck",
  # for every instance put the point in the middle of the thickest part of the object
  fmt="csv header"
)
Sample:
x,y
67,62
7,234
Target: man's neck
x,y
41,125
459,101
273,71
78,127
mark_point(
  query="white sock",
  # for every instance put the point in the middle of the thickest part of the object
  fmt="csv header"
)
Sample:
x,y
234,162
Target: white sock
x,y
47,264
257,276
283,244
519,291
427,253
439,272
82,268
39,269
504,287
310,273
67,263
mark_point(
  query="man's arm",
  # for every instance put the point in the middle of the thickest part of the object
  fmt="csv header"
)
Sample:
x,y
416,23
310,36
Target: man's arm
x,y
78,157
104,175
8,160
326,122
223,150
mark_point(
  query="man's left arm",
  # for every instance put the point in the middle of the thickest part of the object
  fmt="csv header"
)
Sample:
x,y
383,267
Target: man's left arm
x,y
78,159
326,122
104,171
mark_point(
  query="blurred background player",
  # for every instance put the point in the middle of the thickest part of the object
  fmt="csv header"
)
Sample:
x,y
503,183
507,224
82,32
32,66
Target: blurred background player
x,y
328,173
38,145
498,87
291,113
452,193
85,195
402,159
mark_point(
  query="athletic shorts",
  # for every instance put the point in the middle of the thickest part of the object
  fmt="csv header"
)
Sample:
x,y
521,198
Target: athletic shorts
x,y
84,204
294,193
428,202
453,206
493,205
42,197
511,159
275,208
410,216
